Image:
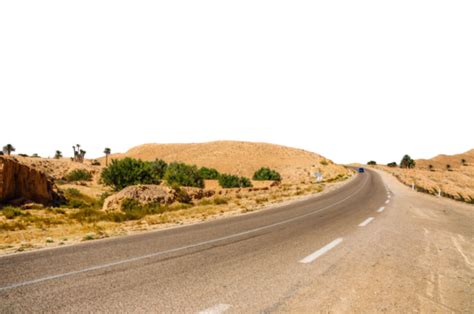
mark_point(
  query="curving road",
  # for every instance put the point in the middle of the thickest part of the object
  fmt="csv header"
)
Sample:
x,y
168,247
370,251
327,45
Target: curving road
x,y
249,263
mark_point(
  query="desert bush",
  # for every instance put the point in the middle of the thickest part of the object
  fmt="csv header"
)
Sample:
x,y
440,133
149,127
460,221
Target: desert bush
x,y
159,167
392,164
265,173
183,174
324,162
220,201
79,175
372,163
75,199
209,173
95,162
231,181
11,212
128,171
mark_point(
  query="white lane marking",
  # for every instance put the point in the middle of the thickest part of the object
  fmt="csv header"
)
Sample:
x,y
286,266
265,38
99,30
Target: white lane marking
x,y
310,258
389,196
387,201
381,209
366,222
216,309
142,257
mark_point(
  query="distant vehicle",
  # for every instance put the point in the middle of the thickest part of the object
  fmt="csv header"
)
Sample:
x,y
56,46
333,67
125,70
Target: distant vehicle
x,y
361,170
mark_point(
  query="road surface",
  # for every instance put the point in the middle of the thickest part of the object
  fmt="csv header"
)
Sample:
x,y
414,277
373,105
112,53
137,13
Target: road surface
x,y
319,254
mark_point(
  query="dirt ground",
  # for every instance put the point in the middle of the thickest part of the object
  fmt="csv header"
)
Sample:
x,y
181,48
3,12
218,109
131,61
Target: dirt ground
x,y
417,256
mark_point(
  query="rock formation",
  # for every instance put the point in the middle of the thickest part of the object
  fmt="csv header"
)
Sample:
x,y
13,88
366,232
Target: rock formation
x,y
20,183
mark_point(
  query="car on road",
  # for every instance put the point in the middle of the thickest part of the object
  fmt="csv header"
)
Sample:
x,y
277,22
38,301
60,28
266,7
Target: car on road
x,y
361,170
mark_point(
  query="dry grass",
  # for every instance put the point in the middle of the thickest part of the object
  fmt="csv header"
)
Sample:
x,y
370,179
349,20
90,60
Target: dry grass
x,y
456,183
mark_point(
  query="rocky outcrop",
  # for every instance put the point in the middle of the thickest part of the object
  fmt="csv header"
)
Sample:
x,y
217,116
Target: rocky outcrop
x,y
144,194
20,183
149,193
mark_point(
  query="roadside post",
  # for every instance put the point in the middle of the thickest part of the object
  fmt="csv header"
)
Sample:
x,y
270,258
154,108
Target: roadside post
x,y
319,176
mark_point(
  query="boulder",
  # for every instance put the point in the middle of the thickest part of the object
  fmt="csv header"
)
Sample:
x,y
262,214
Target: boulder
x,y
144,194
20,183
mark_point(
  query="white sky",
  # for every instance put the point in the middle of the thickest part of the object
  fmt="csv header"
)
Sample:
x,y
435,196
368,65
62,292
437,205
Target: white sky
x,y
352,80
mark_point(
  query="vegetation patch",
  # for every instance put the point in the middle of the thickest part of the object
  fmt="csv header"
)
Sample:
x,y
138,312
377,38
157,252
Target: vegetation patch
x,y
265,173
231,181
79,175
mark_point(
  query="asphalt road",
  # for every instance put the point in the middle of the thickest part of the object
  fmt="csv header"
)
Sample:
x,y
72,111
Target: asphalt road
x,y
250,263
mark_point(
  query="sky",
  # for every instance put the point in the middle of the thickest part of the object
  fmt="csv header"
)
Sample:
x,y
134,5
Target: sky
x,y
351,80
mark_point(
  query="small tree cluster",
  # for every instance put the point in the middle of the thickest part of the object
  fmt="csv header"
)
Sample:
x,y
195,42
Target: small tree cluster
x,y
209,173
79,153
183,174
392,164
265,173
128,171
58,155
231,181
407,162
372,163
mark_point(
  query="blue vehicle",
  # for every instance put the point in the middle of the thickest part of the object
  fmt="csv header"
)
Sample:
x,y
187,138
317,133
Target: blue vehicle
x,y
361,170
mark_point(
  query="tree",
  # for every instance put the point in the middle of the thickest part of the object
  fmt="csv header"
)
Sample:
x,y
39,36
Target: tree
x,y
8,149
159,167
209,173
372,163
464,162
265,173
392,164
58,155
107,152
448,167
183,174
230,181
431,167
78,153
407,162
128,171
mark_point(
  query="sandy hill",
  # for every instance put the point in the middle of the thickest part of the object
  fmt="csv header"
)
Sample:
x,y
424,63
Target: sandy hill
x,y
439,162
242,158
456,183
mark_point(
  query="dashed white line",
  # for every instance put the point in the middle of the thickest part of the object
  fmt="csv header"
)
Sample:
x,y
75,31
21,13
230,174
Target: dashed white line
x,y
381,209
216,309
389,196
366,222
310,258
387,201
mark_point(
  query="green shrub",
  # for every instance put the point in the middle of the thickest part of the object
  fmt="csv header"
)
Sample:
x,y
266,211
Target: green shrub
x,y
392,164
11,212
159,167
209,173
183,174
372,163
220,201
79,175
76,199
128,171
231,181
266,174
324,162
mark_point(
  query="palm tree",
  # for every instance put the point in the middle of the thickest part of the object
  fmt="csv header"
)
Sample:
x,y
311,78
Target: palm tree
x,y
58,155
8,149
107,152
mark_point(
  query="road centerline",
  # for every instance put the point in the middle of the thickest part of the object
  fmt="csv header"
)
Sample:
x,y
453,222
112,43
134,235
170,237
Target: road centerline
x,y
313,256
366,222
381,209
216,309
